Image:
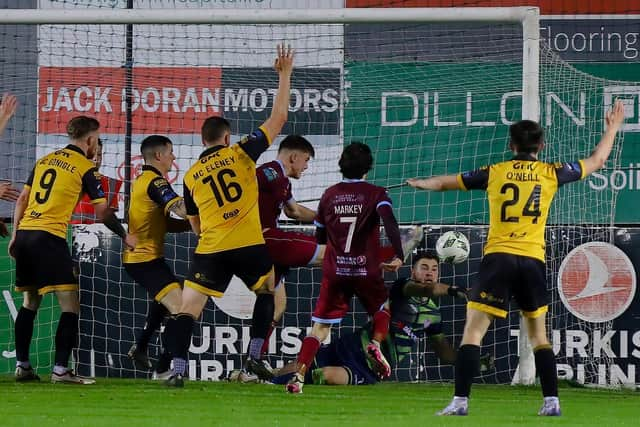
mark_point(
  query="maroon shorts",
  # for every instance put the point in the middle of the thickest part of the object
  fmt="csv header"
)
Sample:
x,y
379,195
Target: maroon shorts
x,y
289,249
336,293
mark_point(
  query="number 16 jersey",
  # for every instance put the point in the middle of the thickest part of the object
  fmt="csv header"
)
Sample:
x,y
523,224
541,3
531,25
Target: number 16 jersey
x,y
221,188
520,192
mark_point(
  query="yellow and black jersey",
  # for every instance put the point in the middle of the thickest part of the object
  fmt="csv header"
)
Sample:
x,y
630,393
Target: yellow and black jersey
x,y
520,192
222,189
57,183
151,198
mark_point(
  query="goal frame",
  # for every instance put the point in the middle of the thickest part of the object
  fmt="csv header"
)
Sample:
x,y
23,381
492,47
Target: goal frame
x,y
527,16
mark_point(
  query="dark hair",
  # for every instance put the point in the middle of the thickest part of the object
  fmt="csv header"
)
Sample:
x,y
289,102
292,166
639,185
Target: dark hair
x,y
526,136
214,128
99,142
426,254
152,144
81,126
298,143
356,160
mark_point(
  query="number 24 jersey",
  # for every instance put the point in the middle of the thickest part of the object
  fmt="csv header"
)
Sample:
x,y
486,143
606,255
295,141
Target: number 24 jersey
x,y
520,192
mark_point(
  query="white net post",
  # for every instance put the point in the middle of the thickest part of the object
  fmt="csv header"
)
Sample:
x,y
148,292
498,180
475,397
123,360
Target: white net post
x,y
525,372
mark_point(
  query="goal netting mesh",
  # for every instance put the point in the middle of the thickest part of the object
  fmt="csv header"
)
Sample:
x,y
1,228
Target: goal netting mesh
x,y
428,98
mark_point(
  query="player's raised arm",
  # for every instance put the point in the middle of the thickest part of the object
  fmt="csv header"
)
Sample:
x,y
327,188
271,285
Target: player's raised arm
x,y
8,107
280,110
597,159
435,183
8,192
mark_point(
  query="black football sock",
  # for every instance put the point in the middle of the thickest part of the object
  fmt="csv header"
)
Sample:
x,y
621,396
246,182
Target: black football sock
x,y
546,368
157,313
24,333
260,323
467,368
66,337
181,333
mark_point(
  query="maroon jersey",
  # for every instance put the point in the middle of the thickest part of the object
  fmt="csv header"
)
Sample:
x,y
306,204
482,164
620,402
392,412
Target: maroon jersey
x,y
274,190
348,212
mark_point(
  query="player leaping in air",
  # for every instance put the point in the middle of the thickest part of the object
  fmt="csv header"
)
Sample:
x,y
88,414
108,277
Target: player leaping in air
x,y
348,220
221,197
520,192
287,249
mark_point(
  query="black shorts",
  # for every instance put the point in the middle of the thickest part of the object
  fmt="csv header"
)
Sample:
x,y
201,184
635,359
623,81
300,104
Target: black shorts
x,y
211,273
43,263
155,276
503,276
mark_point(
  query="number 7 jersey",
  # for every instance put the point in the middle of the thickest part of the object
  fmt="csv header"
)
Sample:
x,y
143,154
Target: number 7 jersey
x,y
221,188
520,192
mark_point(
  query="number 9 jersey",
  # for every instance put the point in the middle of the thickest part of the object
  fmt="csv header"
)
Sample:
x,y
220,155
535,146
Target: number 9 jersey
x,y
222,189
57,182
520,192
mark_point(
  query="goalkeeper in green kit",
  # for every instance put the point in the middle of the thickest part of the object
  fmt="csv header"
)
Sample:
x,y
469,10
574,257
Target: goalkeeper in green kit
x,y
414,316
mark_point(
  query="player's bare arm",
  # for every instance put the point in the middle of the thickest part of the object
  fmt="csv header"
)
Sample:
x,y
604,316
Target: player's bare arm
x,y
8,107
296,211
195,224
435,183
613,120
280,111
8,192
18,213
107,216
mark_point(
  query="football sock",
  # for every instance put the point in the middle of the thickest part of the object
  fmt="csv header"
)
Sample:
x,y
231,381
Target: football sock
x,y
164,362
60,370
260,323
66,337
546,368
467,368
157,313
381,324
310,346
265,345
179,366
24,333
255,347
168,342
181,333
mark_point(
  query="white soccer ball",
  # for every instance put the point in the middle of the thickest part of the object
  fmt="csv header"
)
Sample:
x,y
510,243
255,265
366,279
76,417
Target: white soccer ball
x,y
453,247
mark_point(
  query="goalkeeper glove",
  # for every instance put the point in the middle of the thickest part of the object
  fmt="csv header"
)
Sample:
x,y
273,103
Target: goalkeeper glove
x,y
457,292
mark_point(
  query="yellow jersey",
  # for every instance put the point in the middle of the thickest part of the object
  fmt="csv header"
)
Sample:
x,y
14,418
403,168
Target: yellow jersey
x,y
57,182
151,199
520,192
222,189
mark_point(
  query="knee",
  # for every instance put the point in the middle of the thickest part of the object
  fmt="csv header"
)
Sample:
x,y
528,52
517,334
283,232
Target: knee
x,y
538,340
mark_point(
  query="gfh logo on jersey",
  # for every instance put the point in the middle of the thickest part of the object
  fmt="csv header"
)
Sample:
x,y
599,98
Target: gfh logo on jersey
x,y
596,282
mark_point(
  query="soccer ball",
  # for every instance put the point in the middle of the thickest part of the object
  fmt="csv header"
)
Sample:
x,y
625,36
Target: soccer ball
x,y
453,247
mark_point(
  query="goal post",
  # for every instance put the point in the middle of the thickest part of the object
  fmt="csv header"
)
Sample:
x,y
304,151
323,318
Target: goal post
x,y
431,90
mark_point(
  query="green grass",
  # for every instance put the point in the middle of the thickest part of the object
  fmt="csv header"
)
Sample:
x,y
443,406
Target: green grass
x,y
136,403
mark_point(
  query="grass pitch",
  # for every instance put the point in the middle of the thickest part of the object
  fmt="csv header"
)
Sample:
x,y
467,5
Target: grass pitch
x,y
114,402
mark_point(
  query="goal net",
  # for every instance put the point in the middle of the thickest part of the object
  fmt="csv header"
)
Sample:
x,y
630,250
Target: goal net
x,y
428,97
